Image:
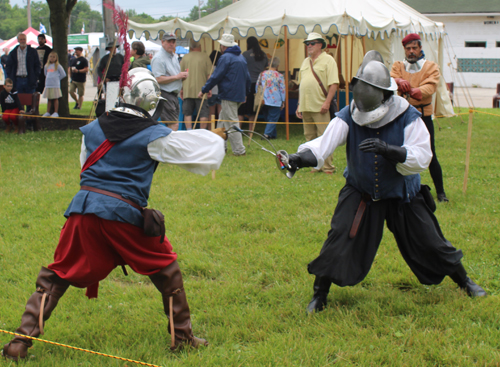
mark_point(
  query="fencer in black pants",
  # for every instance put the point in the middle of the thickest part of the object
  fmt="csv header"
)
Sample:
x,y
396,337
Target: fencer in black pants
x,y
435,168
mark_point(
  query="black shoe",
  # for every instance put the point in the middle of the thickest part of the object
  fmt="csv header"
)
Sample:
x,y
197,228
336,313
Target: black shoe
x,y
76,106
473,290
321,288
464,282
442,198
317,304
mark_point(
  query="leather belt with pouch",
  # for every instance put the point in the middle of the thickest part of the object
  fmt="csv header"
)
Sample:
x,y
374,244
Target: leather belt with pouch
x,y
154,221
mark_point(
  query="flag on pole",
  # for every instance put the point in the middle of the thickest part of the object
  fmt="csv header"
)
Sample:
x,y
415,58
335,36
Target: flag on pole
x,y
83,28
42,28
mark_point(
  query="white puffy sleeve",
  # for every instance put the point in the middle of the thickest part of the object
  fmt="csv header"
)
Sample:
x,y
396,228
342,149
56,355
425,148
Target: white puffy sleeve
x,y
418,149
83,152
334,136
197,151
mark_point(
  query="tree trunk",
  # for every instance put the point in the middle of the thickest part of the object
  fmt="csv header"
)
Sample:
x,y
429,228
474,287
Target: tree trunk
x,y
60,10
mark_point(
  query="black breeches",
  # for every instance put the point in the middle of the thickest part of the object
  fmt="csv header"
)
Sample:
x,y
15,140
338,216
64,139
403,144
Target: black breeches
x,y
347,261
434,168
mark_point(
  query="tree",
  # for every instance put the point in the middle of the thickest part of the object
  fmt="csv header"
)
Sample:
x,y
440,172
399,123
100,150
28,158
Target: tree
x,y
82,14
12,20
60,11
40,13
140,18
211,7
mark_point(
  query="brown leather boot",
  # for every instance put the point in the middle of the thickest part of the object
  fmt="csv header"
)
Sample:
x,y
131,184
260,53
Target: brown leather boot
x,y
49,288
169,282
7,129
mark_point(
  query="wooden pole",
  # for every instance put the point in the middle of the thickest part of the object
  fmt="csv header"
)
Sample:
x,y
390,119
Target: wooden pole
x,y
467,153
287,65
338,60
352,55
198,114
212,125
346,76
262,97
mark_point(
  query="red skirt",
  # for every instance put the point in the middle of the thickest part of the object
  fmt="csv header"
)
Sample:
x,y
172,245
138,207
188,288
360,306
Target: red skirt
x,y
91,247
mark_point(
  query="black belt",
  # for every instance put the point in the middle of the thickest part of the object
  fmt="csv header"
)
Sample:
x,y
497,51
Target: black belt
x,y
421,106
21,76
172,93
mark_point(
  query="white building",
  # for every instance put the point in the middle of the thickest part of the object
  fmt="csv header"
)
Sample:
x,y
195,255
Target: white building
x,y
473,29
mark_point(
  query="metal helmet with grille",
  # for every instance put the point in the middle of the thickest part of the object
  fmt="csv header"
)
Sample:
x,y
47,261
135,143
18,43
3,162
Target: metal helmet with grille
x,y
368,86
144,90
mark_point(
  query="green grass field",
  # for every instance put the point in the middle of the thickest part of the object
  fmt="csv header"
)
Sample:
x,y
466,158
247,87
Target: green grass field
x,y
244,240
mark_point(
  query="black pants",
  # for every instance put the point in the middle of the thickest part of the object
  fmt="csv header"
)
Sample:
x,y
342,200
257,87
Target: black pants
x,y
41,83
434,167
347,261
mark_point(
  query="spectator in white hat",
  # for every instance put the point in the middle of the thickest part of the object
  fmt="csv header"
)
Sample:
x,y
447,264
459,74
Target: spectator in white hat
x,y
319,80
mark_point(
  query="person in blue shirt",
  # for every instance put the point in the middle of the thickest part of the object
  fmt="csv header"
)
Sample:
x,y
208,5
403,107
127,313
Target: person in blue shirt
x,y
233,80
272,83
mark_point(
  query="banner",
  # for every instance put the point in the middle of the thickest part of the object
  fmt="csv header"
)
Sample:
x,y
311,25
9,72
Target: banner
x,y
79,39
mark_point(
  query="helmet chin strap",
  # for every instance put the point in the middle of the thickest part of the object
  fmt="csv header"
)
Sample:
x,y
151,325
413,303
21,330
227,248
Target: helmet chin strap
x,y
159,108
134,107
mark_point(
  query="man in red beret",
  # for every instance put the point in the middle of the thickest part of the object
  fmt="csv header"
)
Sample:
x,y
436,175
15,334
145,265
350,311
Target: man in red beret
x,y
417,80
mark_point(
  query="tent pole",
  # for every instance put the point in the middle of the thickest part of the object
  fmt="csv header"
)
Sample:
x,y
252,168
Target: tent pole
x,y
467,152
364,46
352,55
338,60
346,76
287,117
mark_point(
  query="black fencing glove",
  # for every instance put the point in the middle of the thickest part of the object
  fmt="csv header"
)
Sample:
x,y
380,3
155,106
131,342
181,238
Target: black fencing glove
x,y
392,153
305,158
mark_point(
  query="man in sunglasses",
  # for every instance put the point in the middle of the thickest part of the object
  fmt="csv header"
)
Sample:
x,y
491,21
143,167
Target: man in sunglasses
x,y
319,79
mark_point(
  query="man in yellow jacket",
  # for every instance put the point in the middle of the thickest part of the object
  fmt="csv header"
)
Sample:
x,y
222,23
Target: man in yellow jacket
x,y
417,80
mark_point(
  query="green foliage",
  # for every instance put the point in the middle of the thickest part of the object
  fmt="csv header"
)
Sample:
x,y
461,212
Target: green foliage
x,y
12,20
244,240
81,14
210,7
145,18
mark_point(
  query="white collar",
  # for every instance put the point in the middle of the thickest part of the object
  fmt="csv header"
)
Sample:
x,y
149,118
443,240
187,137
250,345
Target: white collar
x,y
414,67
394,107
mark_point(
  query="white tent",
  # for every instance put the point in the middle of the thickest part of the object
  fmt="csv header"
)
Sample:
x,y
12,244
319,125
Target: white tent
x,y
150,46
353,26
31,39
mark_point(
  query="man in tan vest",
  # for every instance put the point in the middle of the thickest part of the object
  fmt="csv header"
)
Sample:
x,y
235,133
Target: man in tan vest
x,y
313,107
417,80
199,66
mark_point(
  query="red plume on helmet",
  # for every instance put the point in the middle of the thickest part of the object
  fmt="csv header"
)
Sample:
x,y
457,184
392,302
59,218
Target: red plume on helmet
x,y
120,18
